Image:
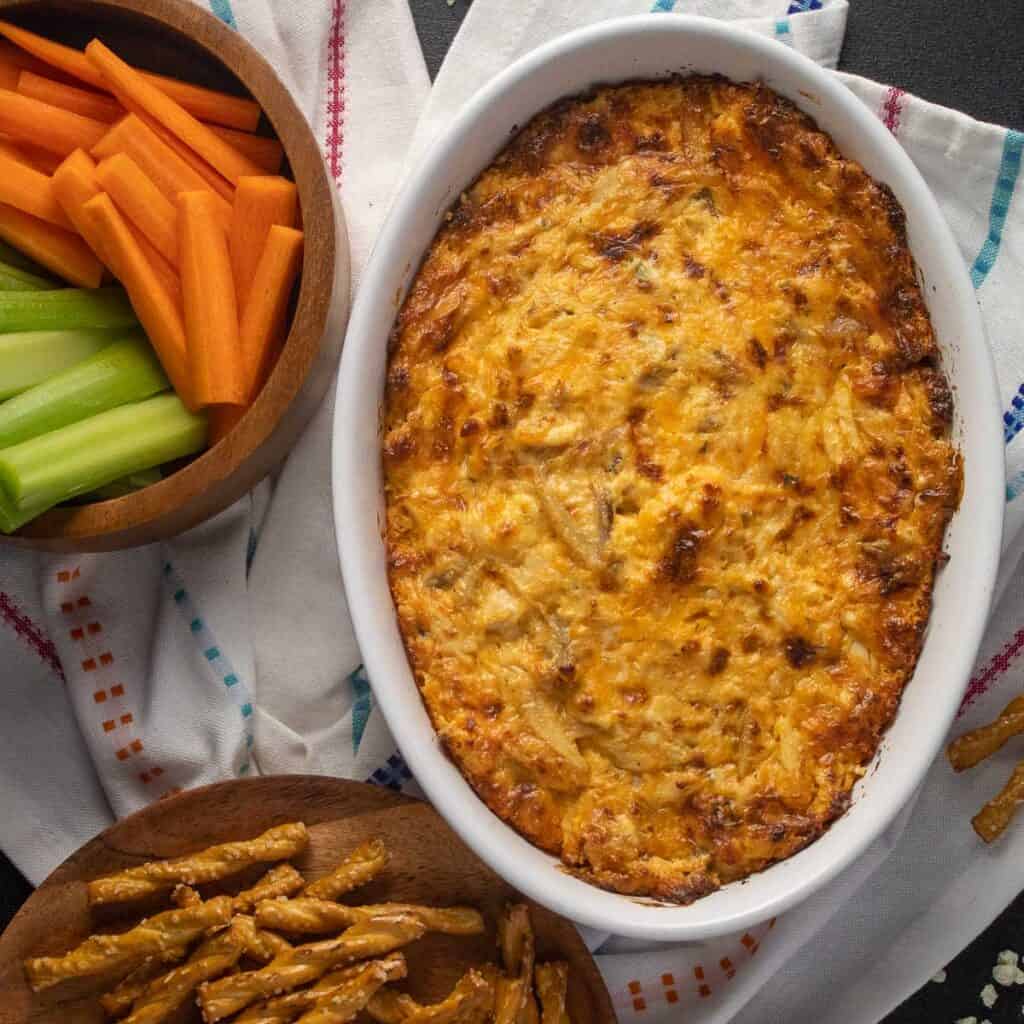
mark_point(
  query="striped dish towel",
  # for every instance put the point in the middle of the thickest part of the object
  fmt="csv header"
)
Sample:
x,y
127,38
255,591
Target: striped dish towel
x,y
228,651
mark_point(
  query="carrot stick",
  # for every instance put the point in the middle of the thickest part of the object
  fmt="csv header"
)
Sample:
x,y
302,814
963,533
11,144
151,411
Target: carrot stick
x,y
9,74
58,131
68,97
207,104
153,304
260,202
141,202
25,155
263,321
215,181
56,249
211,315
29,191
268,153
15,56
132,89
157,160
166,273
74,184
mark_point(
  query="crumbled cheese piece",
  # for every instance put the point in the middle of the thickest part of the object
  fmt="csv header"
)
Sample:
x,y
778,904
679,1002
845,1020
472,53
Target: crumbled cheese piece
x,y
989,996
939,977
1004,974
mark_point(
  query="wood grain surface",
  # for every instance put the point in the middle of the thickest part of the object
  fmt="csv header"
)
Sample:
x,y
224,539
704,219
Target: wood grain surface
x,y
429,864
177,37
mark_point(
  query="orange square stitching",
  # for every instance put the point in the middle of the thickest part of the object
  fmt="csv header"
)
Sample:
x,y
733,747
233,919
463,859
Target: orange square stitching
x,y
145,777
157,772
771,923
84,602
126,719
747,940
754,948
698,972
117,690
704,991
672,996
94,627
667,979
109,725
136,745
67,607
100,696
89,665
634,987
725,963
106,658
63,576
77,633
639,1005
122,754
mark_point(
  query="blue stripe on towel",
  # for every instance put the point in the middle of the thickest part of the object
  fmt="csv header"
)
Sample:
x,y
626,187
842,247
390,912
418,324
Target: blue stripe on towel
x,y
222,8
1002,194
663,5
799,6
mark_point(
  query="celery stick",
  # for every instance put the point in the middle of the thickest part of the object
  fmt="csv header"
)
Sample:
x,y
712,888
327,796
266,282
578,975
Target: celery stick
x,y
11,518
13,279
65,309
85,455
125,371
30,357
16,258
128,484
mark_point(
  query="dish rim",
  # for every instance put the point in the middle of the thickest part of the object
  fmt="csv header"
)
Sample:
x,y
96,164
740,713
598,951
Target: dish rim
x,y
494,841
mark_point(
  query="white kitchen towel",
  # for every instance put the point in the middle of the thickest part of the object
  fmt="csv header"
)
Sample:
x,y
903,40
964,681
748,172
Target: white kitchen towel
x,y
229,650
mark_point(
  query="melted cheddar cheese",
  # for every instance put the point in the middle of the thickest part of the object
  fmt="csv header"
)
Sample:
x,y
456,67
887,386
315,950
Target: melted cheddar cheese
x,y
667,462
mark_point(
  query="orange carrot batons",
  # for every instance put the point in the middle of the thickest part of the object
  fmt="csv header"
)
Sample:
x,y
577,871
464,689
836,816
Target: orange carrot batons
x,y
155,307
138,198
157,160
68,97
74,184
263,321
206,104
211,314
260,149
260,202
50,128
29,191
217,182
32,156
136,93
52,247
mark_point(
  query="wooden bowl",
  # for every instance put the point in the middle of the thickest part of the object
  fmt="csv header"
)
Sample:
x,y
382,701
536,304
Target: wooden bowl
x,y
429,864
179,38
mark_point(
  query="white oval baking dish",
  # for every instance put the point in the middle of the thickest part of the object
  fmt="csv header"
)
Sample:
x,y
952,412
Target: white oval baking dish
x,y
650,47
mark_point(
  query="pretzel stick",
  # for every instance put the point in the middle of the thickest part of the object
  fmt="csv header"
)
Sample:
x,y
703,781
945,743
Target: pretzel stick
x,y
365,862
151,937
185,896
514,1002
993,818
279,881
974,746
391,1007
303,964
552,982
287,1008
209,865
306,915
118,1001
470,1002
213,958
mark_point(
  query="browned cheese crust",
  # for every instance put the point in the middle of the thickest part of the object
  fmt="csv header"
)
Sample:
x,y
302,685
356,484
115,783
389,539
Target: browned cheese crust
x,y
667,460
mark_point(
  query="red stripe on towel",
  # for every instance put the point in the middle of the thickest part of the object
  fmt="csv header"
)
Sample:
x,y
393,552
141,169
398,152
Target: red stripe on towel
x,y
982,682
336,89
35,637
892,108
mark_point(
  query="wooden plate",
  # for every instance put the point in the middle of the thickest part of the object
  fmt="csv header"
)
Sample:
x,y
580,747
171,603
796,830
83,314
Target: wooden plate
x,y
180,38
429,864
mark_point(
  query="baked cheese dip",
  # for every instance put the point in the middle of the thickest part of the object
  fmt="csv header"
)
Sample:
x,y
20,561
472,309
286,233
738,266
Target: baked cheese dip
x,y
668,465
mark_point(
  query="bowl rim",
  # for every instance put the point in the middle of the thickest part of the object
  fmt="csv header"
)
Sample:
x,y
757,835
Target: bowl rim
x,y
224,472
501,847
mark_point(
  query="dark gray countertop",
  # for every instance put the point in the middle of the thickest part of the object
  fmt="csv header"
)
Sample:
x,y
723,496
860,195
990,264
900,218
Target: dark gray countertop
x,y
964,55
